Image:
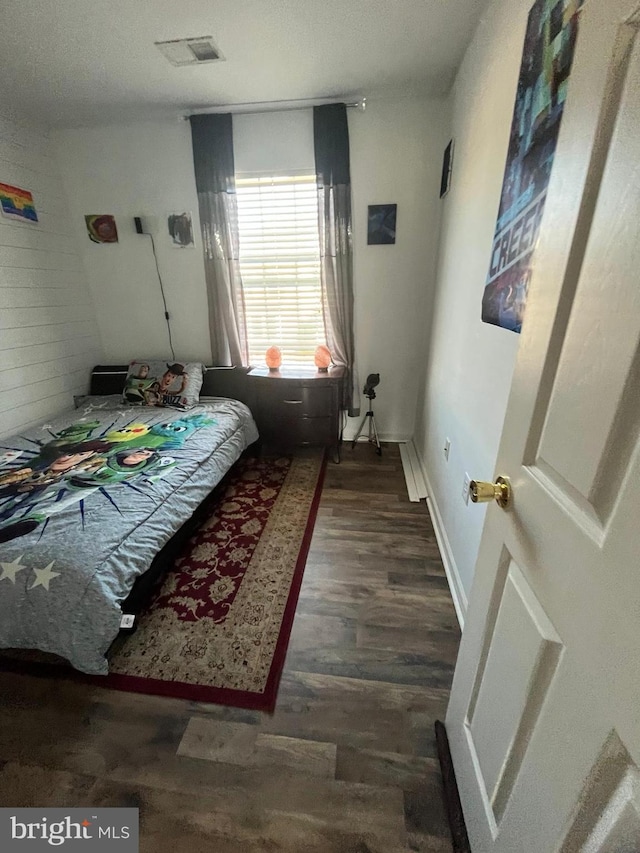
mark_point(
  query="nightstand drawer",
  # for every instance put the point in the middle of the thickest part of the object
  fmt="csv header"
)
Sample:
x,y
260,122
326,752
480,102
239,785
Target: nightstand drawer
x,y
287,400
314,431
299,431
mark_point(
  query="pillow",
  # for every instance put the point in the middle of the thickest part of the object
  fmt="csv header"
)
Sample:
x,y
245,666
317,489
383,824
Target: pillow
x,y
160,383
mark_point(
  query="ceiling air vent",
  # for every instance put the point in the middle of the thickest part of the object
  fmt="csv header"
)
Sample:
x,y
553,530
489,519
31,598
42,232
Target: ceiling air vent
x,y
193,51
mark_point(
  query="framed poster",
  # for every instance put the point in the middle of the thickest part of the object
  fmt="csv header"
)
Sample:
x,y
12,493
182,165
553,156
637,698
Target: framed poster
x,y
550,39
381,224
447,168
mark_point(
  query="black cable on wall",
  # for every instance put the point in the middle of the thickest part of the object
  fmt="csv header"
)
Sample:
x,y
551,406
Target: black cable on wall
x,y
164,299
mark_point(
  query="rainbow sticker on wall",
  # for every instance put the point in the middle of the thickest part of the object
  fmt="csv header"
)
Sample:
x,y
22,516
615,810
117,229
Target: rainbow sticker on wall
x,y
17,204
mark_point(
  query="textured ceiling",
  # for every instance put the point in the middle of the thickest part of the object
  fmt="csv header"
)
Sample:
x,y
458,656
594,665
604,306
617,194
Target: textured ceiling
x,y
74,62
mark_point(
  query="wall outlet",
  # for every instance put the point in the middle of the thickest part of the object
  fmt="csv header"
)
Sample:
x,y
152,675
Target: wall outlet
x,y
447,448
466,486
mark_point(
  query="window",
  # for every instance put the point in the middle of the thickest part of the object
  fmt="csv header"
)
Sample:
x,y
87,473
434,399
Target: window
x,y
280,266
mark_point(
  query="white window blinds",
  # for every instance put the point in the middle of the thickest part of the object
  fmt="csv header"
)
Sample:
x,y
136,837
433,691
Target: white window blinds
x,y
280,266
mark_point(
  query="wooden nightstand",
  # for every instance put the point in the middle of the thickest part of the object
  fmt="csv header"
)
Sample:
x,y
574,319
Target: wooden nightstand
x,y
296,408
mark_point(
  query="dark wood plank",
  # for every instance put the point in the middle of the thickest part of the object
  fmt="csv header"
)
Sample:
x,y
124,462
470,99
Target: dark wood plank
x,y
348,761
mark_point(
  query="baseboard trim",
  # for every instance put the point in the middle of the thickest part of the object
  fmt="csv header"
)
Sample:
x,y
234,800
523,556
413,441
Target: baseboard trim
x,y
456,588
416,486
389,437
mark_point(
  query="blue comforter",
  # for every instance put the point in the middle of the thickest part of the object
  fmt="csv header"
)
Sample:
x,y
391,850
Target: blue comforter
x,y
87,501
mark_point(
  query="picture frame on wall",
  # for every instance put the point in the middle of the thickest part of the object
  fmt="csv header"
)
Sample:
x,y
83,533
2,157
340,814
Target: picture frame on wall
x,y
381,224
447,169
180,227
101,227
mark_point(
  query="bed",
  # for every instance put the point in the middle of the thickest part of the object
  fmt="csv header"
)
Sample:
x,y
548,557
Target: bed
x,y
89,500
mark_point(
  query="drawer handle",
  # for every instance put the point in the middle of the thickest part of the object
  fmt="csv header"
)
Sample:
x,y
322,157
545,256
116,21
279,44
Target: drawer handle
x,y
293,402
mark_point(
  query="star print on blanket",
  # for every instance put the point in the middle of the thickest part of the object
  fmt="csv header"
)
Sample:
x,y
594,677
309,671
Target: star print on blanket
x,y
10,570
43,576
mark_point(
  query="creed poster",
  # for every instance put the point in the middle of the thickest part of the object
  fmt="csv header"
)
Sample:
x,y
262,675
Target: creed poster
x,y
550,40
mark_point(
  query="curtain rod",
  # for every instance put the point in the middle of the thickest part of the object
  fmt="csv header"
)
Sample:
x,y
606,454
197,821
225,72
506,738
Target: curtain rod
x,y
275,106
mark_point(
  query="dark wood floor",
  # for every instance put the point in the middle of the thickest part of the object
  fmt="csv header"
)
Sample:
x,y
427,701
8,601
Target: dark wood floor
x,y
347,764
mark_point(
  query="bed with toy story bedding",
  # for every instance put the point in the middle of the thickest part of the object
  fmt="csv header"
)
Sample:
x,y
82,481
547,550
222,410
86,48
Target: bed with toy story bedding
x,y
88,501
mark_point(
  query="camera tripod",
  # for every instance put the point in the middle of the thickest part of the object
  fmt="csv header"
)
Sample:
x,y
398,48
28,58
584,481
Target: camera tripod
x,y
373,432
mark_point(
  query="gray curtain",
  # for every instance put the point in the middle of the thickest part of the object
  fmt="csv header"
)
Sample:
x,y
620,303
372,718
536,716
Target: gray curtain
x,y
331,143
212,137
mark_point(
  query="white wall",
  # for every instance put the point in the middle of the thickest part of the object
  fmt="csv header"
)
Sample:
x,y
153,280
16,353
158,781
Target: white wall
x,y
48,334
129,170
470,363
396,157
147,168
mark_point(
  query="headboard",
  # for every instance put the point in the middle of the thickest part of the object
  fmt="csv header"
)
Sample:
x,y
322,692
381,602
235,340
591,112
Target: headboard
x,y
218,381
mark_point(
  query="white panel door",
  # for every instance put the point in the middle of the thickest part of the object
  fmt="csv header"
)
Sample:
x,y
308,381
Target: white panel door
x,y
544,716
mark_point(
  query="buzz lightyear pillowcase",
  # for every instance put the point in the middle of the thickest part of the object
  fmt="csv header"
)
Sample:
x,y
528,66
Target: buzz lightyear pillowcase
x,y
159,383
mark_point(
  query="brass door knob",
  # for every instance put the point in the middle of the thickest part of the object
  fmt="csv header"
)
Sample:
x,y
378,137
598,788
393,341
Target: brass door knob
x,y
500,491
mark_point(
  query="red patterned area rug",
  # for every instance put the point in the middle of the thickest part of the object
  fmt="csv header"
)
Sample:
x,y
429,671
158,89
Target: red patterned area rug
x,y
218,626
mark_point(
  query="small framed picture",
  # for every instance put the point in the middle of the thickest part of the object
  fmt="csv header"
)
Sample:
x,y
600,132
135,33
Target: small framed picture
x,y
381,224
101,227
180,227
447,168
